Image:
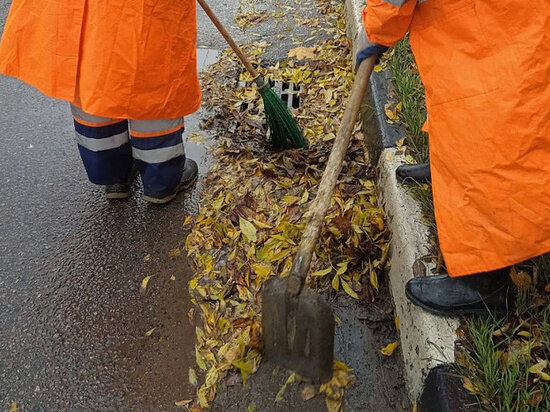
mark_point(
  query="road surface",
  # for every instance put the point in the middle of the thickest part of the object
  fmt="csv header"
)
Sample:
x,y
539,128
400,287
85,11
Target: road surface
x,y
72,319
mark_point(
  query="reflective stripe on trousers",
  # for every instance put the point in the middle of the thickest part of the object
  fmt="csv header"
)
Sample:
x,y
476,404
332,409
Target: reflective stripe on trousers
x,y
109,148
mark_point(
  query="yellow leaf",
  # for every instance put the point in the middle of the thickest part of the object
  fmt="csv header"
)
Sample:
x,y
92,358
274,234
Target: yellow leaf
x,y
201,395
199,359
389,349
301,53
174,253
333,405
248,229
188,220
211,376
524,334
14,407
321,273
391,114
183,403
262,225
349,290
262,271
397,323
150,332
501,331
193,283
336,282
245,367
290,200
538,370
378,68
373,278
192,377
342,268
144,284
281,393
400,143
469,386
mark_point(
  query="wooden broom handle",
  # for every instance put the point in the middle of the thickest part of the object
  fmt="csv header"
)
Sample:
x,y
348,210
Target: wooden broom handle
x,y
318,209
240,54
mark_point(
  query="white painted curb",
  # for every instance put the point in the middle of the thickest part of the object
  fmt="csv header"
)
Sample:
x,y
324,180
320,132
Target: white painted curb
x,y
426,340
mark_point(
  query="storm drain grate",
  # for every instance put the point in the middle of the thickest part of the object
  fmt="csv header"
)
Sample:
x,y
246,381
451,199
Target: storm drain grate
x,y
288,92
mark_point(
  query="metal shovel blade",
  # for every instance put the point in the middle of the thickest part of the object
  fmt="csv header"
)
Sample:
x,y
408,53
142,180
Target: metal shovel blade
x,y
298,331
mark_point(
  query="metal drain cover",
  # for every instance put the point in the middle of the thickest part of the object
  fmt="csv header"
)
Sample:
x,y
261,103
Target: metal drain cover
x,y
288,92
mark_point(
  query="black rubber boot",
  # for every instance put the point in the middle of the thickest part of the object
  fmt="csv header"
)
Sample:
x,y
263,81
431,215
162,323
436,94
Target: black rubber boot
x,y
188,179
414,173
121,190
478,294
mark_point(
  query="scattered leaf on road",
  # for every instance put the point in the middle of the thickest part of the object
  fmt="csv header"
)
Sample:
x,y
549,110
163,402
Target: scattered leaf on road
x,y
301,53
192,377
144,284
389,349
291,379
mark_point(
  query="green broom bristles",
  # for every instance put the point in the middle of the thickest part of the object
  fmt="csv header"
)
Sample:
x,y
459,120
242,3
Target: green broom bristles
x,y
284,130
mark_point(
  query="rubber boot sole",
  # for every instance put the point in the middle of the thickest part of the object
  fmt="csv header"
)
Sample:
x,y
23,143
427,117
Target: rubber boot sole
x,y
169,198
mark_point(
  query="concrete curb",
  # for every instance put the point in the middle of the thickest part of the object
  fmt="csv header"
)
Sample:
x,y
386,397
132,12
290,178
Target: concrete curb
x,y
426,340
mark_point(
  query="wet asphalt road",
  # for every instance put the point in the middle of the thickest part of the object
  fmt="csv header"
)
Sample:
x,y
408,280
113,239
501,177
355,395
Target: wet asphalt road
x,y
72,319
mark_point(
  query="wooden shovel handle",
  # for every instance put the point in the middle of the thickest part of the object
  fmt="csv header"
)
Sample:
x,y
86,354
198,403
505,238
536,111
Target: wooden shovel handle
x,y
318,209
238,51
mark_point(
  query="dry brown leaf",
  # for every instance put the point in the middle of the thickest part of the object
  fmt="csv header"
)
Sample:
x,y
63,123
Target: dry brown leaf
x,y
301,53
521,279
174,253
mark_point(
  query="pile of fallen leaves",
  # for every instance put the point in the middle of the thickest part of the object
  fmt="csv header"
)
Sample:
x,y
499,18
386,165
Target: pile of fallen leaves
x,y
252,208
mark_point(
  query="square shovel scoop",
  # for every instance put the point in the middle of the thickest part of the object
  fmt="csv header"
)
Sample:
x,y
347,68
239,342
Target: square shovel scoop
x,y
298,330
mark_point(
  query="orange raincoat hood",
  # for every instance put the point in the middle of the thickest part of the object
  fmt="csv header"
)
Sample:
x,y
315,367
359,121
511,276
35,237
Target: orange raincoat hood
x,y
131,59
485,65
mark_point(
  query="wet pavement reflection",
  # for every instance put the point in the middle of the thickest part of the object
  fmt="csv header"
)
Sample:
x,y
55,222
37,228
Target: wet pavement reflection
x,y
73,322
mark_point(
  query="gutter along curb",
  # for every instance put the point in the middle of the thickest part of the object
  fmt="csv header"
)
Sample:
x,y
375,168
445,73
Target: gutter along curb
x,y
426,340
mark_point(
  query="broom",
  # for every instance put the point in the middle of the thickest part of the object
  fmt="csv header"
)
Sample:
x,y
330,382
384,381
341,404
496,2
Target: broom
x,y
283,129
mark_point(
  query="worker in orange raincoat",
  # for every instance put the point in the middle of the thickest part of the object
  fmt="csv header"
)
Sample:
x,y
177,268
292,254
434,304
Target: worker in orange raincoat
x,y
485,65
128,68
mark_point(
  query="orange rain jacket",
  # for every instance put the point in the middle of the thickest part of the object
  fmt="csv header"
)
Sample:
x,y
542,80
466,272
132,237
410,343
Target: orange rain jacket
x,y
485,65
129,59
